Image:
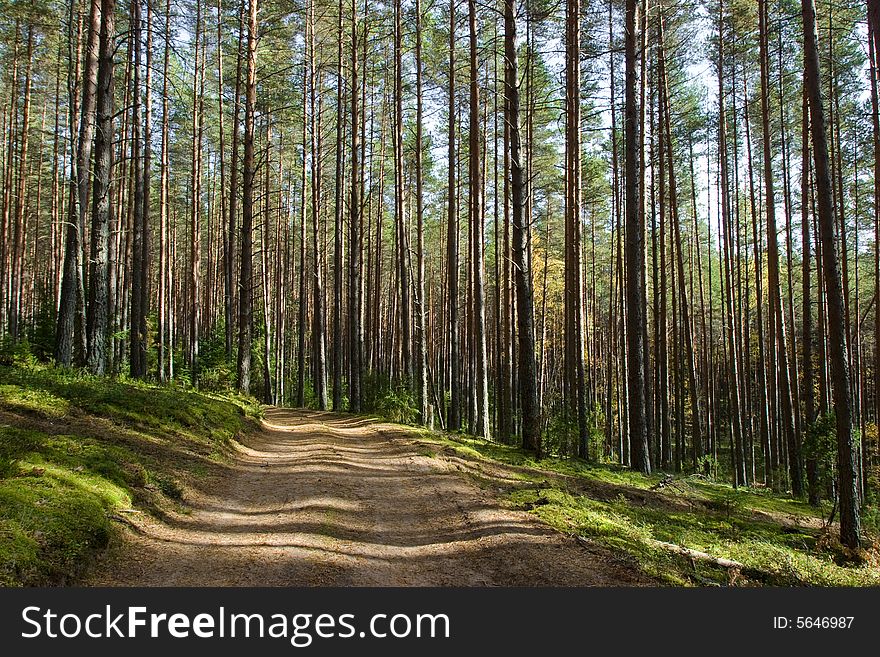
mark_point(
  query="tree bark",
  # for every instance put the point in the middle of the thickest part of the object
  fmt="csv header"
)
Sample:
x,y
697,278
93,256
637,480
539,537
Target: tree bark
x,y
478,316
635,259
528,392
319,338
246,279
355,314
421,369
73,283
574,351
850,525
138,322
98,318
338,234
453,422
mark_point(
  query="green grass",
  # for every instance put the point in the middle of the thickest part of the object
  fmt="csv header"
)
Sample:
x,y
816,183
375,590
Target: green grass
x,y
75,450
779,540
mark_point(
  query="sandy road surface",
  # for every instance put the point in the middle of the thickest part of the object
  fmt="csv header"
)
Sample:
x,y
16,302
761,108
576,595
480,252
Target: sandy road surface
x,y
326,499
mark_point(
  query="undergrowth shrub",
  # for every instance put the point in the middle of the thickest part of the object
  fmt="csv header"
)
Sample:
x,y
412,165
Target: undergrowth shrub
x,y
392,401
562,436
820,445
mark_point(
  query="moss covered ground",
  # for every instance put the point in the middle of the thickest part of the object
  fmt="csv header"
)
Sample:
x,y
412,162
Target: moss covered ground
x,y
77,451
779,540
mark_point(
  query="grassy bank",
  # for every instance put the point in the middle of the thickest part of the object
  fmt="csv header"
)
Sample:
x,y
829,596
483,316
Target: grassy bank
x,y
777,539
77,450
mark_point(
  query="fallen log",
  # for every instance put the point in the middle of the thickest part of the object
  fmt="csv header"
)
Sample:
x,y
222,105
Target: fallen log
x,y
700,556
735,568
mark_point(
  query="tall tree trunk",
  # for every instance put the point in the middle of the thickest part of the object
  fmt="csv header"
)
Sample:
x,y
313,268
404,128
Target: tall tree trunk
x,y
5,226
98,318
734,390
265,280
73,284
319,337
528,392
338,236
147,172
807,384
478,316
163,322
399,201
355,314
138,339
227,236
195,258
635,259
246,280
453,422
302,297
20,228
874,58
850,529
663,425
574,352
421,371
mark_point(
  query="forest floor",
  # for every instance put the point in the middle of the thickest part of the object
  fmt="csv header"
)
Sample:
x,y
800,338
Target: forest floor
x,y
107,481
326,499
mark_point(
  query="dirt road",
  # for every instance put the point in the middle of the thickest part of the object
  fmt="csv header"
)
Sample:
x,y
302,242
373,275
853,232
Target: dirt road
x,y
326,499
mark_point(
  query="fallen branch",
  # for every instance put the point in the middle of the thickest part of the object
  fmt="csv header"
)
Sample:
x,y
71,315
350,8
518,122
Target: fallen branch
x,y
668,479
733,567
696,555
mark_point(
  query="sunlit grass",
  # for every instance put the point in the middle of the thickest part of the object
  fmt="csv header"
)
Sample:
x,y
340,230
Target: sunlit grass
x,y
76,449
778,539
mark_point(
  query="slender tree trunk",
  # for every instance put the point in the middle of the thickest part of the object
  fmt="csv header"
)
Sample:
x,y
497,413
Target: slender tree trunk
x,y
319,337
452,238
164,306
246,280
6,225
73,284
228,236
528,393
421,373
99,269
807,331
20,228
355,315
399,201
338,236
574,352
850,529
302,297
195,258
138,339
635,259
874,58
478,317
